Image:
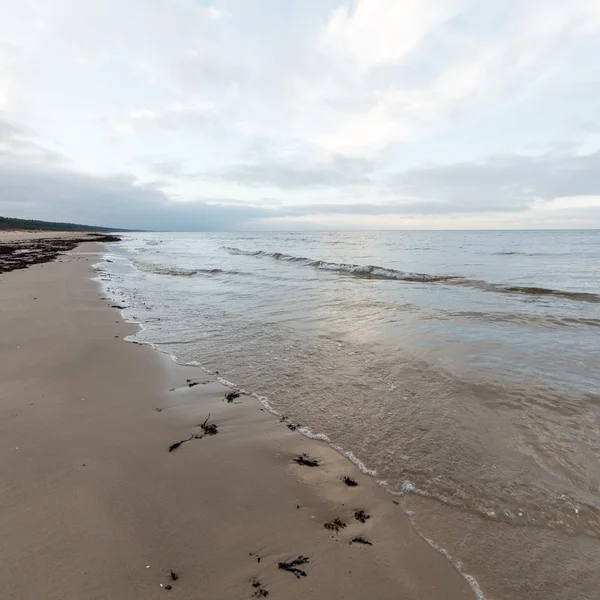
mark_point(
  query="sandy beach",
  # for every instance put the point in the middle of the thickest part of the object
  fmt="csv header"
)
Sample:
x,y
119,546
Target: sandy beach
x,y
93,504
19,235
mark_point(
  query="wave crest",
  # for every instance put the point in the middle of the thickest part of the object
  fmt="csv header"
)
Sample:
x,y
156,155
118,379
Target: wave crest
x,y
365,271
179,272
376,272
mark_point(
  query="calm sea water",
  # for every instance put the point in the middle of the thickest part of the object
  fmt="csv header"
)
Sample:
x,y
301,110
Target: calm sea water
x,y
463,368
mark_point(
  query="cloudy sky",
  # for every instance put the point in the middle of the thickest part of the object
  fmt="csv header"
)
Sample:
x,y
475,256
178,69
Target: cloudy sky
x,y
296,114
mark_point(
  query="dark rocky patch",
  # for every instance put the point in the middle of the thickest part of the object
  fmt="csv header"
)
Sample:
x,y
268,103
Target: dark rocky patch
x,y
24,254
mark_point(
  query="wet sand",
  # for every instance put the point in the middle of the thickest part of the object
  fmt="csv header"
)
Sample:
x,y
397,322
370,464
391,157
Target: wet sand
x,y
93,504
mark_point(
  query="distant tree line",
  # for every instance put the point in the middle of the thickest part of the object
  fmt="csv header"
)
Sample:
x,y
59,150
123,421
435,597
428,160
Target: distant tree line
x,y
10,223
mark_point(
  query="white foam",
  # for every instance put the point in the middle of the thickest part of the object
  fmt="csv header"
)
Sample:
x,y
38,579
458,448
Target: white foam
x,y
262,399
352,458
458,566
407,487
305,431
360,270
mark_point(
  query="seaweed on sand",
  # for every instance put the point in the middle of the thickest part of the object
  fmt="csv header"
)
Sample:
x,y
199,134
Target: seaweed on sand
x,y
362,516
362,540
176,445
292,566
231,396
209,429
335,525
304,460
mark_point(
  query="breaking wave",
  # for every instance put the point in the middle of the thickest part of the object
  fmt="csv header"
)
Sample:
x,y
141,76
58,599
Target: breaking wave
x,y
376,272
518,253
365,271
179,272
528,290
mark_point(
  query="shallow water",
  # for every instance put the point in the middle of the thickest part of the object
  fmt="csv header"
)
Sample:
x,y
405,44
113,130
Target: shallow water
x,y
462,367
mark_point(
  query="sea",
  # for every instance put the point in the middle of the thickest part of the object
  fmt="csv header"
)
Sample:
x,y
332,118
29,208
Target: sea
x,y
461,369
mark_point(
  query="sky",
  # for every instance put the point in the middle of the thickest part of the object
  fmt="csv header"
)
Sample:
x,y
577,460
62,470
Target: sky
x,y
198,115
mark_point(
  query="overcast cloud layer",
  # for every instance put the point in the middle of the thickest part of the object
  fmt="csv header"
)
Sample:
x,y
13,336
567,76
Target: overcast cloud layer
x,y
286,114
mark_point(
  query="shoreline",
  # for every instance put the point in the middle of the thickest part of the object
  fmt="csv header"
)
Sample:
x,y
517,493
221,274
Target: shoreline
x,y
208,510
22,249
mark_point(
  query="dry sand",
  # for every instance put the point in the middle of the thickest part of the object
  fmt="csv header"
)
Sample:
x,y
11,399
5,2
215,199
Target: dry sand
x,y
94,506
19,235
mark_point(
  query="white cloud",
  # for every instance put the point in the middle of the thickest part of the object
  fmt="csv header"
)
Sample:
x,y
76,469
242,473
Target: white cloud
x,y
316,103
383,44
373,33
171,118
214,13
